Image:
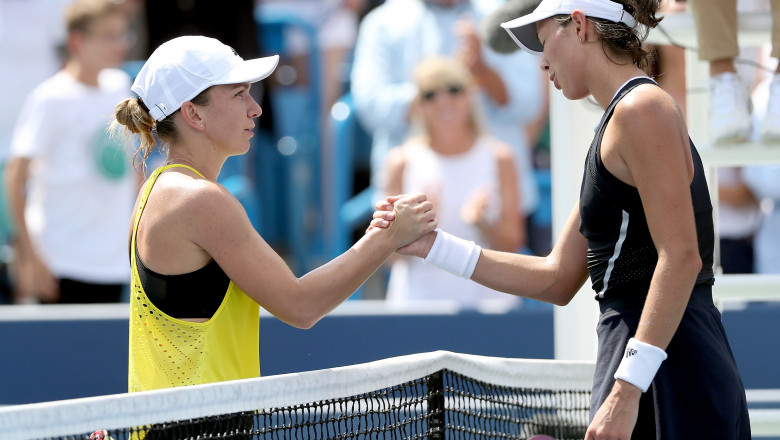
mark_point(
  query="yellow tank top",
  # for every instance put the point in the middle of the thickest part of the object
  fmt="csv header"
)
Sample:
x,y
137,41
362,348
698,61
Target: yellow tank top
x,y
168,352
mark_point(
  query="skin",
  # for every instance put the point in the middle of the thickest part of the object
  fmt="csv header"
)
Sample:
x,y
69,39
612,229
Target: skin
x,y
189,220
447,121
103,45
470,54
646,146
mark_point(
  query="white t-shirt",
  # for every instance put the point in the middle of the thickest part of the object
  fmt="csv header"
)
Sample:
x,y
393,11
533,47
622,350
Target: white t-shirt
x,y
81,186
451,180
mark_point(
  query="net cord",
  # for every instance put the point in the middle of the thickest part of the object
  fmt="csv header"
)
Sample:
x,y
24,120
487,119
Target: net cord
x,y
121,410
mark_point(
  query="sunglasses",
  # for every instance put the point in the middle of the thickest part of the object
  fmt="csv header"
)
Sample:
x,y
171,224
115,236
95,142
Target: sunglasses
x,y
430,95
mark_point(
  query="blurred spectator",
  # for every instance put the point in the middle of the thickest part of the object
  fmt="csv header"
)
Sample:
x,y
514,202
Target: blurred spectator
x,y
716,30
396,36
764,181
335,23
739,218
669,66
138,34
31,31
70,187
468,175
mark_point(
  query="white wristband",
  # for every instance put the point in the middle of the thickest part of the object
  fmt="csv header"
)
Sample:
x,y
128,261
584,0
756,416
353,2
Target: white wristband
x,y
640,363
455,255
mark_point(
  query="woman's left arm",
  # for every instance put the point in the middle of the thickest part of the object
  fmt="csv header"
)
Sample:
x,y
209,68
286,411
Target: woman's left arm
x,y
658,160
647,146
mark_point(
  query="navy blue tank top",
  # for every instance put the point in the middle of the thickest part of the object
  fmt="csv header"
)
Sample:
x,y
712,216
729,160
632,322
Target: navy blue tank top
x,y
621,253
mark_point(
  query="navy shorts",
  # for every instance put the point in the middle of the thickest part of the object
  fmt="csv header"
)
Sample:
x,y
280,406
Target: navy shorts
x,y
697,393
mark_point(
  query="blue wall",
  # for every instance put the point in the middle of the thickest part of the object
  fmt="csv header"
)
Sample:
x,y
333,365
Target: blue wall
x,y
43,360
51,360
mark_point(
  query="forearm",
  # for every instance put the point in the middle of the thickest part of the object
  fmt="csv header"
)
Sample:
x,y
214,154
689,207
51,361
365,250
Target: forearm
x,y
520,77
670,290
522,275
15,183
492,83
324,288
554,279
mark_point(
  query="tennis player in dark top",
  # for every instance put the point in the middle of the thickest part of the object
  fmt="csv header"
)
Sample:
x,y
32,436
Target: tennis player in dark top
x,y
642,230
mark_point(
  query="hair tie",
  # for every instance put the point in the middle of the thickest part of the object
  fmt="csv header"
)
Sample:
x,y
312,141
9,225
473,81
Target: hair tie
x,y
143,106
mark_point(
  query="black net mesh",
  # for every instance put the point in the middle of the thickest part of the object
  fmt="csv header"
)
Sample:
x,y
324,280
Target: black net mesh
x,y
444,405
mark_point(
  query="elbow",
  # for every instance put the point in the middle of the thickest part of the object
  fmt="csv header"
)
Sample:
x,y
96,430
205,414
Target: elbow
x,y
691,260
304,320
305,324
298,311
562,298
695,263
687,260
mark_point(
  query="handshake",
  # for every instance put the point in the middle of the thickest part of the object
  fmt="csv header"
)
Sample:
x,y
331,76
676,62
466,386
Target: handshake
x,y
411,222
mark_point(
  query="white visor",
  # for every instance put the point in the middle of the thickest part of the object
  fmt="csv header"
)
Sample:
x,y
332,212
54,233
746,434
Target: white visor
x,y
523,29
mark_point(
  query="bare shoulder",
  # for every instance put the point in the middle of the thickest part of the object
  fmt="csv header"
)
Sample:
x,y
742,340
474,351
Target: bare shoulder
x,y
648,109
194,199
396,156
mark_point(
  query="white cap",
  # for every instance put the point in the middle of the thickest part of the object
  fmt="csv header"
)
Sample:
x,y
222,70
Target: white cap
x,y
181,68
523,29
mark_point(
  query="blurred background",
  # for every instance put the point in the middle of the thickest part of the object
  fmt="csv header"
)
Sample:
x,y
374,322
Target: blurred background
x,y
343,97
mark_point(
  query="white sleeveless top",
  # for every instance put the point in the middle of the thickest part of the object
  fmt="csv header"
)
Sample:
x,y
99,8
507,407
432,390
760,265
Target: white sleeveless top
x,y
450,181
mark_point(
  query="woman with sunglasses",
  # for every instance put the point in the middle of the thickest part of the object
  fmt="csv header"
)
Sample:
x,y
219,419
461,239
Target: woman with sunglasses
x,y
642,230
468,174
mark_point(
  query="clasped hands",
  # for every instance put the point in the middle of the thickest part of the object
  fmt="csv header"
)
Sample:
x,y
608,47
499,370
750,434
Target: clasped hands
x,y
412,221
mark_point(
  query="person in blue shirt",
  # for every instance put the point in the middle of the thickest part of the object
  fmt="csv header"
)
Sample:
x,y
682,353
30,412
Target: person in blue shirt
x,y
392,40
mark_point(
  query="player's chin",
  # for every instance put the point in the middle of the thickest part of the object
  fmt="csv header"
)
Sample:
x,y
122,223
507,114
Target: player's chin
x,y
244,148
574,95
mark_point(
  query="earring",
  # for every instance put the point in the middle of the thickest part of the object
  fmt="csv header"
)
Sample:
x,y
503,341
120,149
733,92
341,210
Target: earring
x,y
579,38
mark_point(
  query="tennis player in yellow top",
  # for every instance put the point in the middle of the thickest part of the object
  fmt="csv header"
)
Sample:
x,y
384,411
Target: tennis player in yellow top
x,y
199,269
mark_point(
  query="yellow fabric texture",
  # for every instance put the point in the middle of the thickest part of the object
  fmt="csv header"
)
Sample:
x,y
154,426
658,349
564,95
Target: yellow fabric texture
x,y
168,352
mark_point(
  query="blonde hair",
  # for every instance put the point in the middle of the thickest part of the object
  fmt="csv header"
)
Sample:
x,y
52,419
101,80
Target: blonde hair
x,y
81,14
437,72
134,115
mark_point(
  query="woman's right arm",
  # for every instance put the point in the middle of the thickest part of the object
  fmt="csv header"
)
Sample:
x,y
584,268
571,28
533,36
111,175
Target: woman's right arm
x,y
554,279
222,229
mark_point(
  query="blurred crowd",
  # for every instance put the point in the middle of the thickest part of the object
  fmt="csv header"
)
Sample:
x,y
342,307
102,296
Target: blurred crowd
x,y
439,111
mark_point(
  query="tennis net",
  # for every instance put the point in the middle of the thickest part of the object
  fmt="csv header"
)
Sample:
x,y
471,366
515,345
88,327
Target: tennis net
x,y
433,395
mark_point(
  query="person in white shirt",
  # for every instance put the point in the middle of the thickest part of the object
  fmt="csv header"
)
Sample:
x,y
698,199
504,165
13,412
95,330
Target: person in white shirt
x,y
70,186
467,173
394,37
